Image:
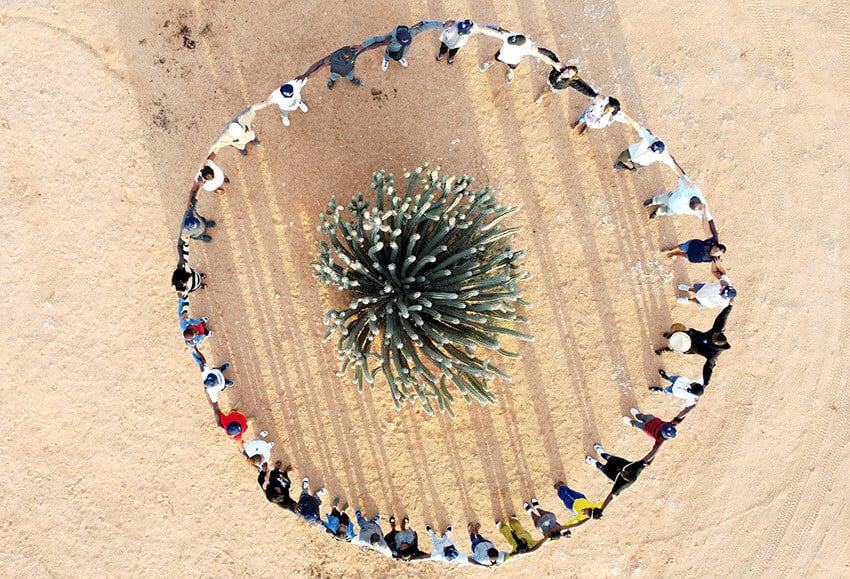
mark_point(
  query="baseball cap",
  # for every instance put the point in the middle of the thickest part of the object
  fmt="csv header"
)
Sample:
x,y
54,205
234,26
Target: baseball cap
x,y
464,26
516,40
234,429
728,292
657,147
235,130
287,90
668,431
402,34
192,223
211,380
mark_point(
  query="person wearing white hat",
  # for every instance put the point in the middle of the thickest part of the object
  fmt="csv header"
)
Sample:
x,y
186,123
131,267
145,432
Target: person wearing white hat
x,y
238,132
708,344
288,98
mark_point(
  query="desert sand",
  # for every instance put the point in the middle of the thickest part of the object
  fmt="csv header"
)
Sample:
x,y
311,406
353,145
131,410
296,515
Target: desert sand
x,y
112,465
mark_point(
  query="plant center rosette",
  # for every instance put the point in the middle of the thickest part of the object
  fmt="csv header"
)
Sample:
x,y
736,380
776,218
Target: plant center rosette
x,y
432,280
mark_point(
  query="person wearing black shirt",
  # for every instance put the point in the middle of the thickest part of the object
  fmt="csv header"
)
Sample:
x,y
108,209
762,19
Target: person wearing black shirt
x,y
708,344
277,491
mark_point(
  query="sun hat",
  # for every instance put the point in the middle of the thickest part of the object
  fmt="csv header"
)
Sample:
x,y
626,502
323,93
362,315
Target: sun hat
x,y
680,341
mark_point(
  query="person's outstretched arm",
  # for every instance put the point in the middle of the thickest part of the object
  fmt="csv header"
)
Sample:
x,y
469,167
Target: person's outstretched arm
x,y
316,66
720,320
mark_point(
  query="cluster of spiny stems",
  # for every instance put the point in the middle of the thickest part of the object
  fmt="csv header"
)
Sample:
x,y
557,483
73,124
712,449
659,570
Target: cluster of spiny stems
x,y
433,286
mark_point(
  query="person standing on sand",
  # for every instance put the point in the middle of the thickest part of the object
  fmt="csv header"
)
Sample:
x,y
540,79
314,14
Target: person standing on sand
x,y
623,472
650,149
399,39
519,539
717,294
371,535
601,113
681,387
545,521
194,329
238,133
277,490
211,177
194,225
338,523
454,36
288,98
708,344
697,250
404,542
578,504
484,552
514,48
686,199
258,452
309,504
445,550
341,62
185,279
213,378
655,428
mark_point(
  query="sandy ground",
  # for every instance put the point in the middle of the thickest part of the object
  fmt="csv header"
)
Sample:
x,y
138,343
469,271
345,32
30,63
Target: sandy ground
x,y
112,465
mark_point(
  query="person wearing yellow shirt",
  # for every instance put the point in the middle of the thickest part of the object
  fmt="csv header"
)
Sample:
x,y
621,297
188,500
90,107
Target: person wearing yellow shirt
x,y
578,504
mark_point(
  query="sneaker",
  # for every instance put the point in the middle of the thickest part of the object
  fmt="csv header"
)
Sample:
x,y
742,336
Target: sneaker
x,y
598,448
438,58
634,412
428,529
205,319
499,525
485,66
405,521
357,513
535,503
510,76
228,383
209,334
449,530
620,165
385,65
451,60
224,366
646,202
305,484
655,389
243,152
653,214
355,81
590,460
303,107
285,120
682,300
684,287
527,507
392,520
403,62
627,419
321,491
331,84
344,507
335,502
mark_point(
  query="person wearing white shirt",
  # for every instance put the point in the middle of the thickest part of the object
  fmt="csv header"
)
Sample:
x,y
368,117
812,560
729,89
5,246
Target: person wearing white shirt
x,y
371,535
454,36
601,113
288,98
514,48
650,149
686,199
211,177
717,294
258,452
687,389
444,548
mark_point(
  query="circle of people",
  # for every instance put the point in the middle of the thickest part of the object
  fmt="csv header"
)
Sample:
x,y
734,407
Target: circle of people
x,y
402,541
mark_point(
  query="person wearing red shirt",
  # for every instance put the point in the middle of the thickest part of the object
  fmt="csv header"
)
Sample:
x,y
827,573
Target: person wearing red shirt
x,y
657,429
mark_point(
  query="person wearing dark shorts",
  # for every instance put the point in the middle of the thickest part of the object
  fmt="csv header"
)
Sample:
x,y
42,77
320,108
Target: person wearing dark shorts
x,y
697,250
623,472
341,62
562,77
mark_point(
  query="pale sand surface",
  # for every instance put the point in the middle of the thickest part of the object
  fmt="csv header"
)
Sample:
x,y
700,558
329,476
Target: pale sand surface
x,y
112,465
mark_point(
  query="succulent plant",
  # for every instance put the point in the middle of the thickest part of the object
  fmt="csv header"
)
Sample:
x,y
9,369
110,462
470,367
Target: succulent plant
x,y
432,282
